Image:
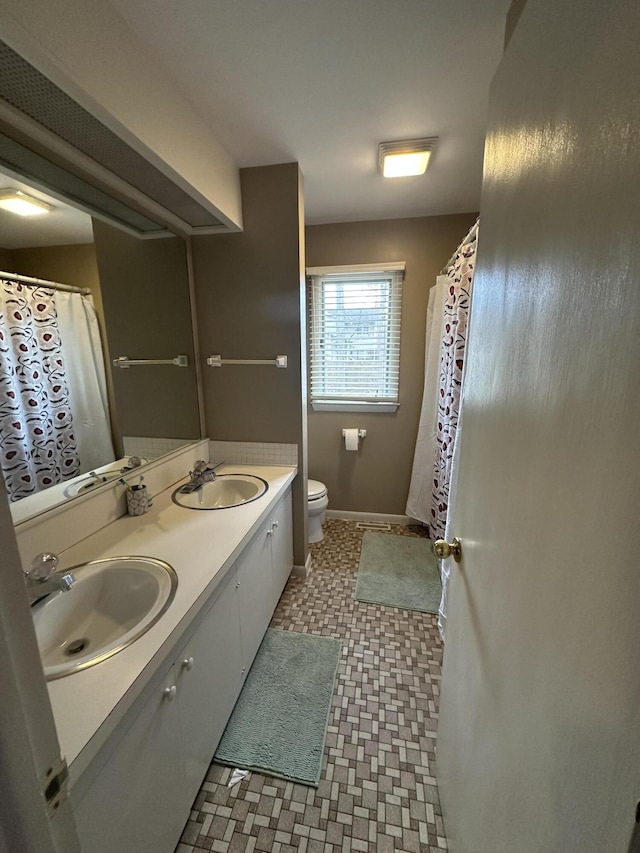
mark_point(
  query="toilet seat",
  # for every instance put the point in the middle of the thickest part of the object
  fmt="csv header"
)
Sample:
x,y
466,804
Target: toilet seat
x,y
316,490
317,503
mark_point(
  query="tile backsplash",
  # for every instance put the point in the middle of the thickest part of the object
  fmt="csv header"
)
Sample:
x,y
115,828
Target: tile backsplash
x,y
253,453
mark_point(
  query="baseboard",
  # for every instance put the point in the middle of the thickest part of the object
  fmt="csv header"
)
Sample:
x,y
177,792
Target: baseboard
x,y
371,516
302,571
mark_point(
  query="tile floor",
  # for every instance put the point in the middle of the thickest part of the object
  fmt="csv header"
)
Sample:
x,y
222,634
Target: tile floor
x,y
377,791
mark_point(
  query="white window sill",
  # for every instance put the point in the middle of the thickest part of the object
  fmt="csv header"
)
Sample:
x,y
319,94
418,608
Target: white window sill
x,y
352,406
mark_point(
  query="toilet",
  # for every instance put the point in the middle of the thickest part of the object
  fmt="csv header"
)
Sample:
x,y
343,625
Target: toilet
x,y
318,501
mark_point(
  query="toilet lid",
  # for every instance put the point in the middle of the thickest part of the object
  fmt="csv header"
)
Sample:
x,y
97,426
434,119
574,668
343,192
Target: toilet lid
x,y
316,489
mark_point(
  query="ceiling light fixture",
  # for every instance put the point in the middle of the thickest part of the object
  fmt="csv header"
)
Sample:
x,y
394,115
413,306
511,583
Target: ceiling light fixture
x,y
15,201
402,159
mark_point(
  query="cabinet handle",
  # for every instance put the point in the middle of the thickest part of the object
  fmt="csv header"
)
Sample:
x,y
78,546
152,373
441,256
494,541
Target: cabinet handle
x,y
187,664
238,585
243,670
269,532
170,692
275,524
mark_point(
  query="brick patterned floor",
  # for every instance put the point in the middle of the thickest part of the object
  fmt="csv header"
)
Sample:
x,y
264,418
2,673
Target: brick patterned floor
x,y
377,791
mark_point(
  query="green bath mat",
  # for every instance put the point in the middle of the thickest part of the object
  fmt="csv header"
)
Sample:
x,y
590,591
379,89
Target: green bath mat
x,y
279,724
399,571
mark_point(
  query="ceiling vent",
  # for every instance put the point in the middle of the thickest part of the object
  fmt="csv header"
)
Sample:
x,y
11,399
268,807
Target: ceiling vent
x,y
48,176
33,95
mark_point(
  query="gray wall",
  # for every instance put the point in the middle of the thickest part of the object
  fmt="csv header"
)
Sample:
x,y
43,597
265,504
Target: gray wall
x,y
145,295
5,261
376,478
73,264
248,297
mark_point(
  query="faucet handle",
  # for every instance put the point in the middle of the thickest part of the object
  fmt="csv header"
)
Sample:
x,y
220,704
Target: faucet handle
x,y
42,566
66,582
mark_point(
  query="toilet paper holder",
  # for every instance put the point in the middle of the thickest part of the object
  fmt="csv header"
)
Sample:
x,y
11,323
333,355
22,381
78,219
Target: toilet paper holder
x,y
362,433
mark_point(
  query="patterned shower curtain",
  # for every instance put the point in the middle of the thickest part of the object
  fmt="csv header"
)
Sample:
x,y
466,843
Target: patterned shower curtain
x,y
421,485
454,342
37,441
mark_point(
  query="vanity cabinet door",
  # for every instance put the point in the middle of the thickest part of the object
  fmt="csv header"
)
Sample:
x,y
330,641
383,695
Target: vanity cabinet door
x,y
281,548
138,803
208,681
263,569
254,578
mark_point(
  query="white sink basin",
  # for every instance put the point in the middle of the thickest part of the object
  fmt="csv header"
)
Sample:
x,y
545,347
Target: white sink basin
x,y
86,484
106,474
112,602
226,491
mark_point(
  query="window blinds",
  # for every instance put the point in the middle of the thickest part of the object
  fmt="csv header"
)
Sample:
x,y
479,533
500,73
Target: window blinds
x,y
355,335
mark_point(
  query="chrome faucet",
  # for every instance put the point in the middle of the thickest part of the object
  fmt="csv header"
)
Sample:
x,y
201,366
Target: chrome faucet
x,y
200,475
97,478
42,579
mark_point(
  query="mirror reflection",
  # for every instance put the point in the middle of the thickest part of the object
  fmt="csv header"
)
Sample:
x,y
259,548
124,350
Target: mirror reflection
x,y
75,295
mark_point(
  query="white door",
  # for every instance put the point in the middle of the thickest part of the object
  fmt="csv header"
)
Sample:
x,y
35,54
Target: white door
x,y
281,548
28,740
255,600
209,675
138,803
539,739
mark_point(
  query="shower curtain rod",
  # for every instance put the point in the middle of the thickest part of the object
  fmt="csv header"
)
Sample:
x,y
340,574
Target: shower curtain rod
x,y
42,282
472,232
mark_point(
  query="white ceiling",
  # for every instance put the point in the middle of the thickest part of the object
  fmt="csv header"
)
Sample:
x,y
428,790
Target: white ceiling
x,y
60,227
322,82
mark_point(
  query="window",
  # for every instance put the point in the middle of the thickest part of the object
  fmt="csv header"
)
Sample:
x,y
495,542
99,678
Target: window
x,y
355,337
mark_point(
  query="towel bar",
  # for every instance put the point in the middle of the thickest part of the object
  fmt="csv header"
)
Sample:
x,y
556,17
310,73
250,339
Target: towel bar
x,y
218,361
125,361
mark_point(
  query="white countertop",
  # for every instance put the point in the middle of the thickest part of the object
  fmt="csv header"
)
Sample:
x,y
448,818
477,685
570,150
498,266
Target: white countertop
x,y
201,547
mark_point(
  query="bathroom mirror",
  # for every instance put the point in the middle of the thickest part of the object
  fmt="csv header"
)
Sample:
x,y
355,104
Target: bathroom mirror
x,y
140,292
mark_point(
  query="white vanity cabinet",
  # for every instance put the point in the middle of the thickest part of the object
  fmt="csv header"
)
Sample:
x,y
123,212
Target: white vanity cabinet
x,y
136,795
140,799
263,570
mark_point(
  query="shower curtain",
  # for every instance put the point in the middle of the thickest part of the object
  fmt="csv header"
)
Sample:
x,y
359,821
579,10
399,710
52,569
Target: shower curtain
x,y
37,442
54,419
421,487
82,353
454,343
435,466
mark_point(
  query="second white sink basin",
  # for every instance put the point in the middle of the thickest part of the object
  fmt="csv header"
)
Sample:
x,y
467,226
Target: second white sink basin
x,y
111,603
226,491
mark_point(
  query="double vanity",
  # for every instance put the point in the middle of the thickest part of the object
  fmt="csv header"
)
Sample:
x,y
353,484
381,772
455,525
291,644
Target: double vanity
x,y
139,728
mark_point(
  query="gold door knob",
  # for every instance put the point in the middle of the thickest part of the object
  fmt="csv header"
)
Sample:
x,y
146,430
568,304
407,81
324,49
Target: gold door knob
x,y
443,549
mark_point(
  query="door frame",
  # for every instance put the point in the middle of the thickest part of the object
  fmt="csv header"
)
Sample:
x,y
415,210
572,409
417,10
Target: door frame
x,y
28,739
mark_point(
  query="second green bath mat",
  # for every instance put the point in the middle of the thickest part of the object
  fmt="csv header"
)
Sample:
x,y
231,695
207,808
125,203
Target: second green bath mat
x,y
398,571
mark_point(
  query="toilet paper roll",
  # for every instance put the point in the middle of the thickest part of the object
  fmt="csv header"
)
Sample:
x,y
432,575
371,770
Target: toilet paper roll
x,y
351,438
